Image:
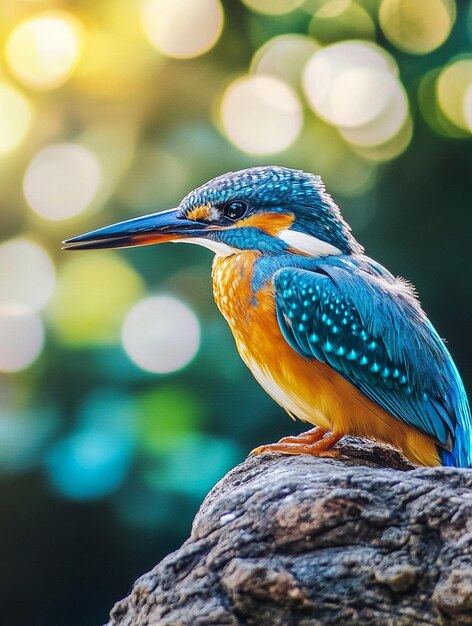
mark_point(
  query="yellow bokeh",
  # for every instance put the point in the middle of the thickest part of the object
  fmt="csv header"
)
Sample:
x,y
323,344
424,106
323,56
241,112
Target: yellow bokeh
x,y
430,109
182,28
451,87
93,294
115,55
97,56
43,51
16,115
468,108
417,26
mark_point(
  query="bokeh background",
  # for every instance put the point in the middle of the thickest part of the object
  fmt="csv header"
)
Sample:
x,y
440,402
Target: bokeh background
x,y
122,398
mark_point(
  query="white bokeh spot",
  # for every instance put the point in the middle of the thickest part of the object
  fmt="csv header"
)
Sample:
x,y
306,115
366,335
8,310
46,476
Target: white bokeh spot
x,y
21,337
27,274
161,334
61,180
261,114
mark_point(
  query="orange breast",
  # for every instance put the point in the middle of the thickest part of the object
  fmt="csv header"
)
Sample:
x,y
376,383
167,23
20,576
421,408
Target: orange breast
x,y
306,388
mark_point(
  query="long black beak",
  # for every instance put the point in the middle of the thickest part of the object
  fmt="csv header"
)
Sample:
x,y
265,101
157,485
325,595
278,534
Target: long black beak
x,y
140,231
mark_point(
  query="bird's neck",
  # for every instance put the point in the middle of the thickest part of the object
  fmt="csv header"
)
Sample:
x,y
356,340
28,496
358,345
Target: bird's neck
x,y
233,284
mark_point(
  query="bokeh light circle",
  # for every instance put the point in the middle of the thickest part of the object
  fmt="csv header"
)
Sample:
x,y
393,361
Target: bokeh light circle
x,y
161,334
21,338
337,20
94,292
348,84
452,85
431,110
354,86
27,274
284,57
261,114
273,7
62,180
468,107
417,26
388,150
16,114
385,125
359,95
182,28
88,465
43,51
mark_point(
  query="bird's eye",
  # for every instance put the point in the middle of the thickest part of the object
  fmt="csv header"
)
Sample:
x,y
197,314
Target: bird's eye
x,y
235,209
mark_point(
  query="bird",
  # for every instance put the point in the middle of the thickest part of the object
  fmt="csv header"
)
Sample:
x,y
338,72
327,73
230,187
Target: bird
x,y
330,334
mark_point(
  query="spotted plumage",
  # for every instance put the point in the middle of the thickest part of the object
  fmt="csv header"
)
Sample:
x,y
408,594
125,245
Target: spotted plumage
x,y
321,321
330,334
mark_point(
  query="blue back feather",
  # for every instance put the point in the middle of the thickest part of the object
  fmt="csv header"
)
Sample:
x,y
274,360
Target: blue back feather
x,y
349,312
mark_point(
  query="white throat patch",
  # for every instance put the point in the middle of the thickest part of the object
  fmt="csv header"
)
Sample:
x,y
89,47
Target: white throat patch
x,y
218,247
308,244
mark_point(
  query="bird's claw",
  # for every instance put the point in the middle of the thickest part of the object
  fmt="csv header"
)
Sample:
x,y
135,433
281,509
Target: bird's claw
x,y
312,444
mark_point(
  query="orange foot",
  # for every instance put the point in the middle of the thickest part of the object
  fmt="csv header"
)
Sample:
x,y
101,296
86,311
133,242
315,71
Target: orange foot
x,y
312,442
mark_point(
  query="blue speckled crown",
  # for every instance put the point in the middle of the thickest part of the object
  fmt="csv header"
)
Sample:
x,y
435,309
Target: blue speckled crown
x,y
281,189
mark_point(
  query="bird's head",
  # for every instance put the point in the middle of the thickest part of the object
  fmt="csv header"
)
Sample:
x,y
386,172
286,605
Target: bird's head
x,y
272,210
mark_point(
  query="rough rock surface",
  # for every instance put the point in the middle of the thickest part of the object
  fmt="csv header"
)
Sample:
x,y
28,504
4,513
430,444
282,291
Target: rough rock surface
x,y
364,539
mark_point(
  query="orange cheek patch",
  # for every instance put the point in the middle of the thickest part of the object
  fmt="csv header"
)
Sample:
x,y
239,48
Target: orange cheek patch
x,y
271,223
199,213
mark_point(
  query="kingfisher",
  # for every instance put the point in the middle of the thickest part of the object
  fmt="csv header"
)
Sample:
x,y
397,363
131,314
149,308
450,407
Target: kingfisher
x,y
330,334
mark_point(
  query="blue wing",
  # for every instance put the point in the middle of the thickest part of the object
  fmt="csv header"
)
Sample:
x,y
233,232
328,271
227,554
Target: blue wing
x,y
370,328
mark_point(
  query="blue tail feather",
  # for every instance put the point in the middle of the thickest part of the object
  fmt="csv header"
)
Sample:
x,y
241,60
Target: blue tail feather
x,y
461,453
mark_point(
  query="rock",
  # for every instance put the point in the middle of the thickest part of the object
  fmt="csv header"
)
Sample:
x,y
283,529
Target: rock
x,y
453,596
365,539
399,577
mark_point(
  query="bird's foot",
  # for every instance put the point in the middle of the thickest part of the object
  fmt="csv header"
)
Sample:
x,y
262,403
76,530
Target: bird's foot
x,y
313,442
311,436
